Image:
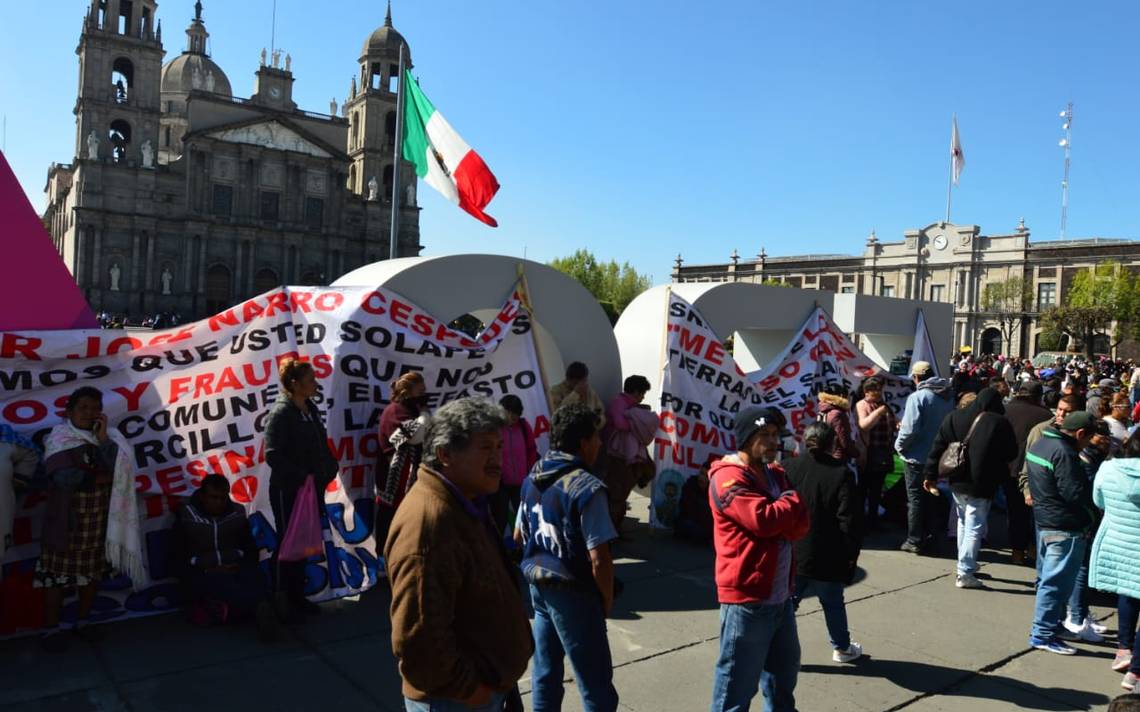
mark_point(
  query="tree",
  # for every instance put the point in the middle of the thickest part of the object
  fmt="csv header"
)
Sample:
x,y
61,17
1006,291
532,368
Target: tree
x,y
770,282
1101,300
613,285
1006,303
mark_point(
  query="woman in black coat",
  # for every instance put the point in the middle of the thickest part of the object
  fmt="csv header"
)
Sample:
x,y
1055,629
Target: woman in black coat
x,y
825,558
296,446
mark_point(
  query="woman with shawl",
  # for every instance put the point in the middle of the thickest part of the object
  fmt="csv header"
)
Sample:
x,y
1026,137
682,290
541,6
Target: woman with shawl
x,y
403,425
91,523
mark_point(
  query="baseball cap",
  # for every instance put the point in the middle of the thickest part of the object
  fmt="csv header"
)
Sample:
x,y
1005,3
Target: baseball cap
x,y
1078,420
1107,383
752,418
920,368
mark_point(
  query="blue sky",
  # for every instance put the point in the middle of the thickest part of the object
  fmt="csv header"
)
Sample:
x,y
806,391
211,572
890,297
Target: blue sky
x,y
640,129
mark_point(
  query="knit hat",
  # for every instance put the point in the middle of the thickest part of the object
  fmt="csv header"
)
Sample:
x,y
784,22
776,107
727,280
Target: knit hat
x,y
1078,420
752,418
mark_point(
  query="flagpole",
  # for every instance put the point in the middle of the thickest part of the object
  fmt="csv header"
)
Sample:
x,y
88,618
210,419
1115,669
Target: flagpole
x,y
950,178
397,152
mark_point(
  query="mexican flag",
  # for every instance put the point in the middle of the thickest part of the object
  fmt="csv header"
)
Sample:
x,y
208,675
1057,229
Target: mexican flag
x,y
442,158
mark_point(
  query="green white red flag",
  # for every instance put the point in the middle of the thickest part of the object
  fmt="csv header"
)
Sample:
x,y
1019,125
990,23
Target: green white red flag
x,y
441,156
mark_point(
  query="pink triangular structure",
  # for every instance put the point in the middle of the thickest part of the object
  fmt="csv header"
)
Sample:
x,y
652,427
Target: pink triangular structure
x,y
36,291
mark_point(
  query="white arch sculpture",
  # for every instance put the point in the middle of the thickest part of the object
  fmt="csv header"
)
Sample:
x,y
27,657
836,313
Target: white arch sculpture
x,y
762,319
570,324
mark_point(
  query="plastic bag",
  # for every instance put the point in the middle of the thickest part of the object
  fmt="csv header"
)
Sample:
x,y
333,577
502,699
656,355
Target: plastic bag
x,y
303,539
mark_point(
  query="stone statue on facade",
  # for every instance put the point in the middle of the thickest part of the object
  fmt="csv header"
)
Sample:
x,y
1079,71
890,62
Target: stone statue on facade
x,y
115,274
211,82
373,189
196,78
332,107
352,89
276,58
288,63
93,145
167,278
263,55
147,151
410,195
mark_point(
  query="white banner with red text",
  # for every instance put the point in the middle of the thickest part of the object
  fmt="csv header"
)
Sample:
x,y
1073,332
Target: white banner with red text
x,y
192,401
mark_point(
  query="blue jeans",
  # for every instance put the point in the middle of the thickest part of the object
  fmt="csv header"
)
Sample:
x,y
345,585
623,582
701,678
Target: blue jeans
x,y
571,622
1060,555
918,529
972,515
439,705
830,595
1079,600
759,647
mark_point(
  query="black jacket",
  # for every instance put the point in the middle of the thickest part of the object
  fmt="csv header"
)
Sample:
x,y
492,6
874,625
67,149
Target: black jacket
x,y
296,447
992,446
203,542
1059,483
827,488
1022,415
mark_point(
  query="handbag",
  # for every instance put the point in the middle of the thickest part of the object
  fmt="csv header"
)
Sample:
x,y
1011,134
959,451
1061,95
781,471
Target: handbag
x,y
955,459
303,539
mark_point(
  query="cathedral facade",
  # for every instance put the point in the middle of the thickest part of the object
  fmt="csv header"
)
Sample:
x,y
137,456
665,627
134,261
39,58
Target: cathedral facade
x,y
184,198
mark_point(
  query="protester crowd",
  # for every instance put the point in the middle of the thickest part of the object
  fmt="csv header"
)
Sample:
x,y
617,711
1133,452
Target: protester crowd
x,y
474,521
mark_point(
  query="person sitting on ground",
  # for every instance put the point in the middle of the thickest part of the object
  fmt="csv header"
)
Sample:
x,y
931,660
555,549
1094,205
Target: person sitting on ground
x,y
576,389
216,559
694,516
630,428
826,557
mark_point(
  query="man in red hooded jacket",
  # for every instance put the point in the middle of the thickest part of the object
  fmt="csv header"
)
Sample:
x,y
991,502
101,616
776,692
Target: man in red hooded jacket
x,y
756,517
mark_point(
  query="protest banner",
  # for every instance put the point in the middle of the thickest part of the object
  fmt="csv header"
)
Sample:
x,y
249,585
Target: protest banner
x,y
192,401
818,355
702,389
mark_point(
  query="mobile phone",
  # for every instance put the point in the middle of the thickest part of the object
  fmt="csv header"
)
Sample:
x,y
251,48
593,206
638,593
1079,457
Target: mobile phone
x,y
97,426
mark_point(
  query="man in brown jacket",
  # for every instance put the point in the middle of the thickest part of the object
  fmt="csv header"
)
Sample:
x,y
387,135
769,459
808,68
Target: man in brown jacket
x,y
459,627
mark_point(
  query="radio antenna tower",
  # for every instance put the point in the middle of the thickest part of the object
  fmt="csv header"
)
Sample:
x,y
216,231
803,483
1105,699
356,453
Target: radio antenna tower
x,y
1067,144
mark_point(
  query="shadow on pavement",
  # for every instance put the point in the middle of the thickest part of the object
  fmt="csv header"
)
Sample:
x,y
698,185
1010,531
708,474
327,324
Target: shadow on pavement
x,y
923,678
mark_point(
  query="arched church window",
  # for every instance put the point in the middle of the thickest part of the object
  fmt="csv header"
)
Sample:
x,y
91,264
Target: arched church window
x,y
390,128
122,79
387,183
120,135
352,178
218,286
377,76
265,280
126,15
393,78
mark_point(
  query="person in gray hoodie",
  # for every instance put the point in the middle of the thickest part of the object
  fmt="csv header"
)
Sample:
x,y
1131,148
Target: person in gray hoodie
x,y
925,409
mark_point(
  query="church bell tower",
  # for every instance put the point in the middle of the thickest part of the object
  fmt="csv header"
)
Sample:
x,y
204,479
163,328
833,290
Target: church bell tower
x,y
120,60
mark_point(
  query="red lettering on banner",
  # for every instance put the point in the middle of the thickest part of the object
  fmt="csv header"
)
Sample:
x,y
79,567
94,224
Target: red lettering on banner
x,y
328,301
170,480
373,303
226,318
278,303
423,324
132,394
299,302
123,343
541,426
399,313
788,370
12,344
24,412
244,490
251,310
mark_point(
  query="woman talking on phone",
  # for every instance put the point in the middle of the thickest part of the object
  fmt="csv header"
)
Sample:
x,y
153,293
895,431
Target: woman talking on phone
x,y
91,523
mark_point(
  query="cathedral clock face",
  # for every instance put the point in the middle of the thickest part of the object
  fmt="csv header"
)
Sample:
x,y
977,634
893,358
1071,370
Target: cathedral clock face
x,y
275,92
940,242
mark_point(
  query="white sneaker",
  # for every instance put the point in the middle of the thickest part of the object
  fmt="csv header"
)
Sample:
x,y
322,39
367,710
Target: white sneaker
x,y
1098,628
968,581
1084,631
853,652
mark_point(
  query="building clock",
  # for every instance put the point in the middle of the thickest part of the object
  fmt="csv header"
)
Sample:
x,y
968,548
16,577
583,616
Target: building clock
x,y
940,241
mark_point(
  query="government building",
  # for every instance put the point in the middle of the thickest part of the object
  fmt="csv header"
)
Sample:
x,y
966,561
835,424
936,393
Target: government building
x,y
184,198
947,263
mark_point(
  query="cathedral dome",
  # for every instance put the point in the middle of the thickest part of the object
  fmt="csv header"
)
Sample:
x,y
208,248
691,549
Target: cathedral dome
x,y
178,75
386,40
